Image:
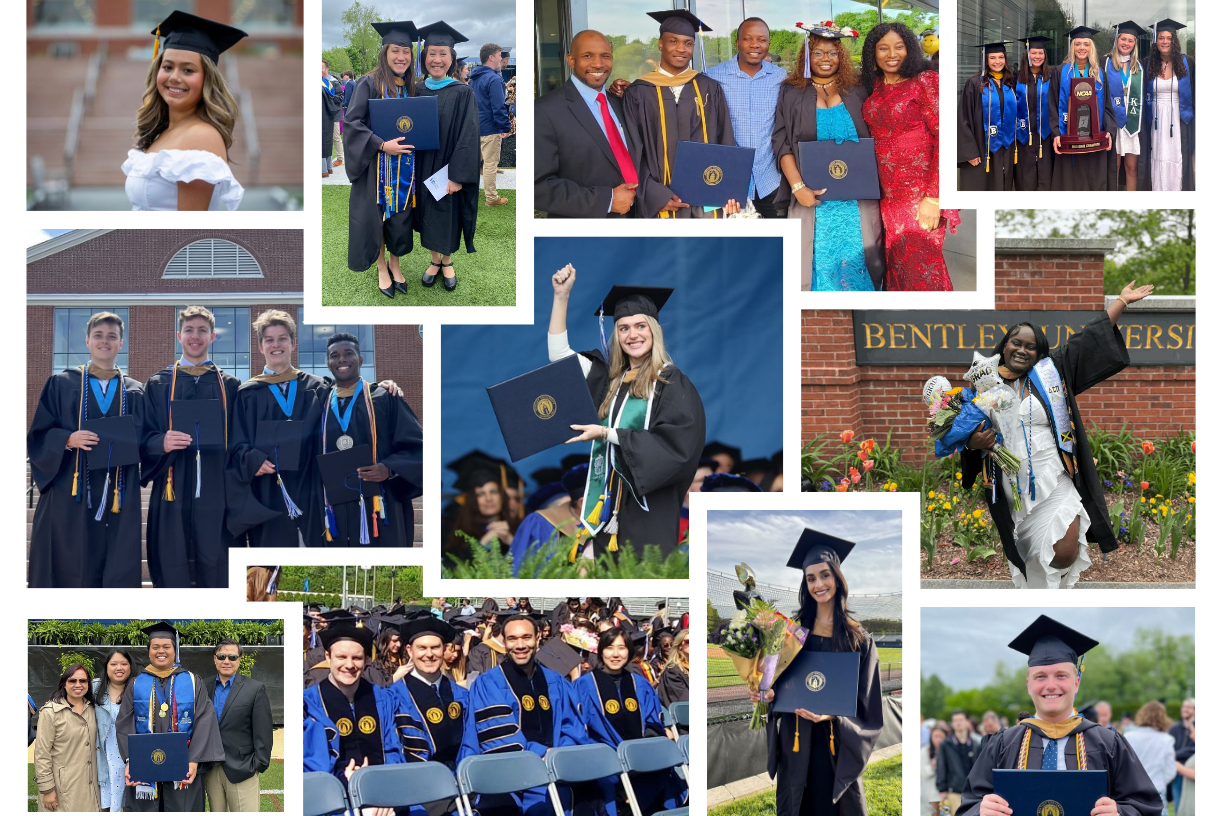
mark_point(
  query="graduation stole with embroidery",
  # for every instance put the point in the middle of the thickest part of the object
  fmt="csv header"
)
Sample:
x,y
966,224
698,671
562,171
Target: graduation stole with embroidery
x,y
286,402
1046,383
150,707
618,698
379,504
994,118
535,707
705,135
361,739
441,720
605,488
1052,731
89,381
1132,95
396,175
193,371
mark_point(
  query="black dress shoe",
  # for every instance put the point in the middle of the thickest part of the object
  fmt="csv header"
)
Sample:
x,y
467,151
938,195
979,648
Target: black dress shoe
x,y
452,282
399,286
428,279
389,291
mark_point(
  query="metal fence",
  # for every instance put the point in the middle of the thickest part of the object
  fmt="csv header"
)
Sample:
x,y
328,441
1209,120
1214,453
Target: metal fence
x,y
719,587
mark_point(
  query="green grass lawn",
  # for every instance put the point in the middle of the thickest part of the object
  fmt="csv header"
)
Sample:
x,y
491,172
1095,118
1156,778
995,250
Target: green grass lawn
x,y
486,278
882,783
720,672
272,779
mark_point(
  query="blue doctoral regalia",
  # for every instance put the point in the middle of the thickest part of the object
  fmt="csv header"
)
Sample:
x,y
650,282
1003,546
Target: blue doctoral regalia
x,y
412,723
321,738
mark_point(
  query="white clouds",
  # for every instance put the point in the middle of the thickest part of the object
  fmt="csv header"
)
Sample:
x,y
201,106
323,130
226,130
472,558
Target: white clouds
x,y
37,237
481,21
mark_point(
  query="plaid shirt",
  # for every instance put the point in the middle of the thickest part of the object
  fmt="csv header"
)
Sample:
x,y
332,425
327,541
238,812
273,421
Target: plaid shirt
x,y
752,100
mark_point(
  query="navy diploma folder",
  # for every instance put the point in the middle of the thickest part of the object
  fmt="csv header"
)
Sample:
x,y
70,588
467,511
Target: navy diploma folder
x,y
413,117
1058,793
708,175
819,682
845,171
158,757
535,410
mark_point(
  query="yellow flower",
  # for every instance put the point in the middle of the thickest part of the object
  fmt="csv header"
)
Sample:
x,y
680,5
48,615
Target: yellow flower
x,y
947,506
955,499
1164,512
1160,495
931,508
942,496
931,494
959,476
1142,500
977,513
985,522
1190,477
1189,517
1191,500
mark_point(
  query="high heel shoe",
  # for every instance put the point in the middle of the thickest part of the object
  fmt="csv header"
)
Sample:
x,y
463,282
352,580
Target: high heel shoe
x,y
449,283
390,290
399,286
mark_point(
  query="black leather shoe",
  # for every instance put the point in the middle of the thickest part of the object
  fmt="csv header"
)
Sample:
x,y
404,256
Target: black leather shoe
x,y
399,286
390,290
452,282
428,279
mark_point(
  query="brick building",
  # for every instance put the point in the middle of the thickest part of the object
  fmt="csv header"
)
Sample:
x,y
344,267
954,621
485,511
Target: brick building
x,y
839,393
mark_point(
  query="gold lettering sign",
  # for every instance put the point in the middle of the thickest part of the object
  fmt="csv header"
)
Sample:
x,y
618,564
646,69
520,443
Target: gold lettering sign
x,y
545,407
367,725
713,175
454,710
404,124
1050,808
158,756
838,169
815,681
434,715
1083,90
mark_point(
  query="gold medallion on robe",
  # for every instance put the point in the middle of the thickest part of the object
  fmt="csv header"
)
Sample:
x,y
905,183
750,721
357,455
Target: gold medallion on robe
x,y
454,710
345,726
164,710
544,702
612,707
528,702
631,704
367,724
434,715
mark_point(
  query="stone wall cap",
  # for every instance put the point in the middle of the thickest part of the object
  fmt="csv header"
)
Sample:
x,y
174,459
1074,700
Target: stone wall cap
x,y
1054,246
1158,303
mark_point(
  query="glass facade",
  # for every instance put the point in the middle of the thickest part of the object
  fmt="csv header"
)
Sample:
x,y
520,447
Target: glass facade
x,y
312,348
980,21
231,351
269,13
65,13
151,12
68,347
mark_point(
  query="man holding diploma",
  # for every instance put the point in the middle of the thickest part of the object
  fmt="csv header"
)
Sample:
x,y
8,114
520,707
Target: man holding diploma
x,y
1056,737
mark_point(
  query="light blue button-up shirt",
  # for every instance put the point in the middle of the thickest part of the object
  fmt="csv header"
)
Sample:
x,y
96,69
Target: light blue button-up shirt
x,y
752,101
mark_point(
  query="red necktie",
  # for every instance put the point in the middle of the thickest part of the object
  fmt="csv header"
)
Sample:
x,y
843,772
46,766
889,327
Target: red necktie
x,y
618,145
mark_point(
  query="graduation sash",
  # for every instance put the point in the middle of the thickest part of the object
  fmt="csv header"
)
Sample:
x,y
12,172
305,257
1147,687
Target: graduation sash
x,y
1048,385
90,380
378,504
1185,102
150,707
1039,90
1130,103
1025,763
356,723
619,704
705,134
535,706
602,498
438,732
396,177
999,124
195,371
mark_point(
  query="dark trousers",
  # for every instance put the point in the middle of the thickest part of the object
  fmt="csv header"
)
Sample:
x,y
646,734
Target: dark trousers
x,y
765,206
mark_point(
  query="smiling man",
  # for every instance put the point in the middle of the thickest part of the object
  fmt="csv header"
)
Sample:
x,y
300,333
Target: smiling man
x,y
583,168
166,698
86,530
186,533
1058,737
244,718
430,709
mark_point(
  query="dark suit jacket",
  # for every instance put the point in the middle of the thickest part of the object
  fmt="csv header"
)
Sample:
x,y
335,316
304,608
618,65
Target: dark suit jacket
x,y
246,727
575,170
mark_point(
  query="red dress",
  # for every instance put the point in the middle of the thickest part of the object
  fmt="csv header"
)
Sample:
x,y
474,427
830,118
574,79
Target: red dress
x,y
904,121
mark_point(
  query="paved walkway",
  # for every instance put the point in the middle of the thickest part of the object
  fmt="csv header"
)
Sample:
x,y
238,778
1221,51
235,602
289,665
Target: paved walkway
x,y
960,583
505,179
760,783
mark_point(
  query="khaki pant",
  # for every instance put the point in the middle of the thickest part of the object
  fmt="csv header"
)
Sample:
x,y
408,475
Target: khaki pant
x,y
953,801
225,796
490,151
337,141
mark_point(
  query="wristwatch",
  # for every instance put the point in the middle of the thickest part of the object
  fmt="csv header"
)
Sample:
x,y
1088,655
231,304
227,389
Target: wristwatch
x,y
797,186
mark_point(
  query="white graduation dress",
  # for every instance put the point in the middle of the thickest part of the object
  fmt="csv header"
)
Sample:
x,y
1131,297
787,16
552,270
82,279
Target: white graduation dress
x,y
152,179
1042,521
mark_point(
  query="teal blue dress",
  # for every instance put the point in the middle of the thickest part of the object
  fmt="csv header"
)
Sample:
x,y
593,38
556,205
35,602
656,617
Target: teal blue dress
x,y
838,264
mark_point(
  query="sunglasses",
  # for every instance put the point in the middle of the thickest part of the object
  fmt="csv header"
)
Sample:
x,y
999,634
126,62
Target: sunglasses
x,y
226,657
74,682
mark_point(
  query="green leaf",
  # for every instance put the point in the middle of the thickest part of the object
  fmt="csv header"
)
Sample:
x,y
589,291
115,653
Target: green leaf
x,y
981,552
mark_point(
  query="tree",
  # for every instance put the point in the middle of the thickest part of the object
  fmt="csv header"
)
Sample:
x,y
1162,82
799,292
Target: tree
x,y
361,36
338,60
713,620
934,692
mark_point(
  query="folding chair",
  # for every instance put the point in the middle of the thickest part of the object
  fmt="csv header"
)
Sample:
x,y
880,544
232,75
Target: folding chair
x,y
414,783
683,743
679,713
499,774
575,764
323,795
674,812
646,756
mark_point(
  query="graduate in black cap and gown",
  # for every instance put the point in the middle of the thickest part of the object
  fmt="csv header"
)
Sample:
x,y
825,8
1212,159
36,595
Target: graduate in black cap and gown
x,y
384,175
165,698
819,759
986,123
1124,70
1057,737
1082,171
491,650
86,530
1167,161
694,110
362,413
442,222
186,521
1034,136
646,449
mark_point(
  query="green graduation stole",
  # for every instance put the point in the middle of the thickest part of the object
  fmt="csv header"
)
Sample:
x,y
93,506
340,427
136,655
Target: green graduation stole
x,y
1132,93
601,501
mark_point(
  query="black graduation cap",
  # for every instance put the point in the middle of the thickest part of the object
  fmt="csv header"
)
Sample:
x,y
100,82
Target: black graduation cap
x,y
776,460
815,547
505,55
995,47
622,301
1128,27
715,448
340,479
281,441
347,630
1168,25
678,21
1047,642
759,465
547,475
337,616
403,33
1081,31
188,32
466,621
927,32
414,629
476,467
164,629
636,641
118,441
440,33
559,656
1036,39
728,483
489,605
575,480
382,622
204,420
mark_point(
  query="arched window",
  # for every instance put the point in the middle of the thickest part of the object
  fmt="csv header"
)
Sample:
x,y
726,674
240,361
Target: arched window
x,y
212,258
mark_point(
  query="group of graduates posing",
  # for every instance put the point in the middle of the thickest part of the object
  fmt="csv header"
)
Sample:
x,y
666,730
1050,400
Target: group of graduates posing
x,y
531,683
1010,126
230,463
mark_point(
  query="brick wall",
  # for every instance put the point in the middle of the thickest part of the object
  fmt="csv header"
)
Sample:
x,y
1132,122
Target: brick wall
x,y
838,395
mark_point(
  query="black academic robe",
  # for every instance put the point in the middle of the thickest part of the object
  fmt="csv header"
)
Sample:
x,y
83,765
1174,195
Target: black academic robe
x,y
971,140
658,462
1086,171
399,448
1147,133
1035,161
673,686
683,124
68,547
484,657
441,223
257,507
795,122
205,749
1093,355
367,230
810,781
188,530
331,110
1104,750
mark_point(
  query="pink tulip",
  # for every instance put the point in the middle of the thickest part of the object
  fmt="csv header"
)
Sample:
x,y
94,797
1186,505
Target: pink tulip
x,y
841,488
955,560
1144,485
868,465
846,436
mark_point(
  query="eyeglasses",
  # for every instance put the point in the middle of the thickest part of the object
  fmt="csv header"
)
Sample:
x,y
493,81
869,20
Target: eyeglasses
x,y
823,55
226,657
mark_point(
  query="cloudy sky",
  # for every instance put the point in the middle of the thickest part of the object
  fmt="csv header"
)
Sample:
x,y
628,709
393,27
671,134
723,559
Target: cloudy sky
x,y
38,236
481,21
965,655
764,540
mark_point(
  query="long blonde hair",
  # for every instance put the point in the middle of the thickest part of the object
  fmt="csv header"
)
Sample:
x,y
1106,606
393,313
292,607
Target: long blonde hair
x,y
1115,57
650,372
217,106
678,658
1094,67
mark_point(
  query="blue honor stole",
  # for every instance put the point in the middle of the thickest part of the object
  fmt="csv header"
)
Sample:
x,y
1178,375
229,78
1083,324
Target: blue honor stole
x,y
178,711
1070,72
1046,383
999,124
396,178
1039,128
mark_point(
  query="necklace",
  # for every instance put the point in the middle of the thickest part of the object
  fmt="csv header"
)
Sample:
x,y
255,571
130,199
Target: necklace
x,y
832,81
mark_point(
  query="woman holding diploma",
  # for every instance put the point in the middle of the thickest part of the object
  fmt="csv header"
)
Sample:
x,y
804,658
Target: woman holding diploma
x,y
819,759
383,173
645,450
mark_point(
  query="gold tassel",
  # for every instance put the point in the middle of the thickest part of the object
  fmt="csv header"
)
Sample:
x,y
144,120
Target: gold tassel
x,y
987,158
326,531
115,503
378,504
75,475
168,492
832,750
156,40
593,516
573,553
796,748
612,543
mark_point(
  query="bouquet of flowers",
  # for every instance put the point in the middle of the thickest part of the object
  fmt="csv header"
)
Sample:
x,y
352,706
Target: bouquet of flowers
x,y
761,643
953,414
579,638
